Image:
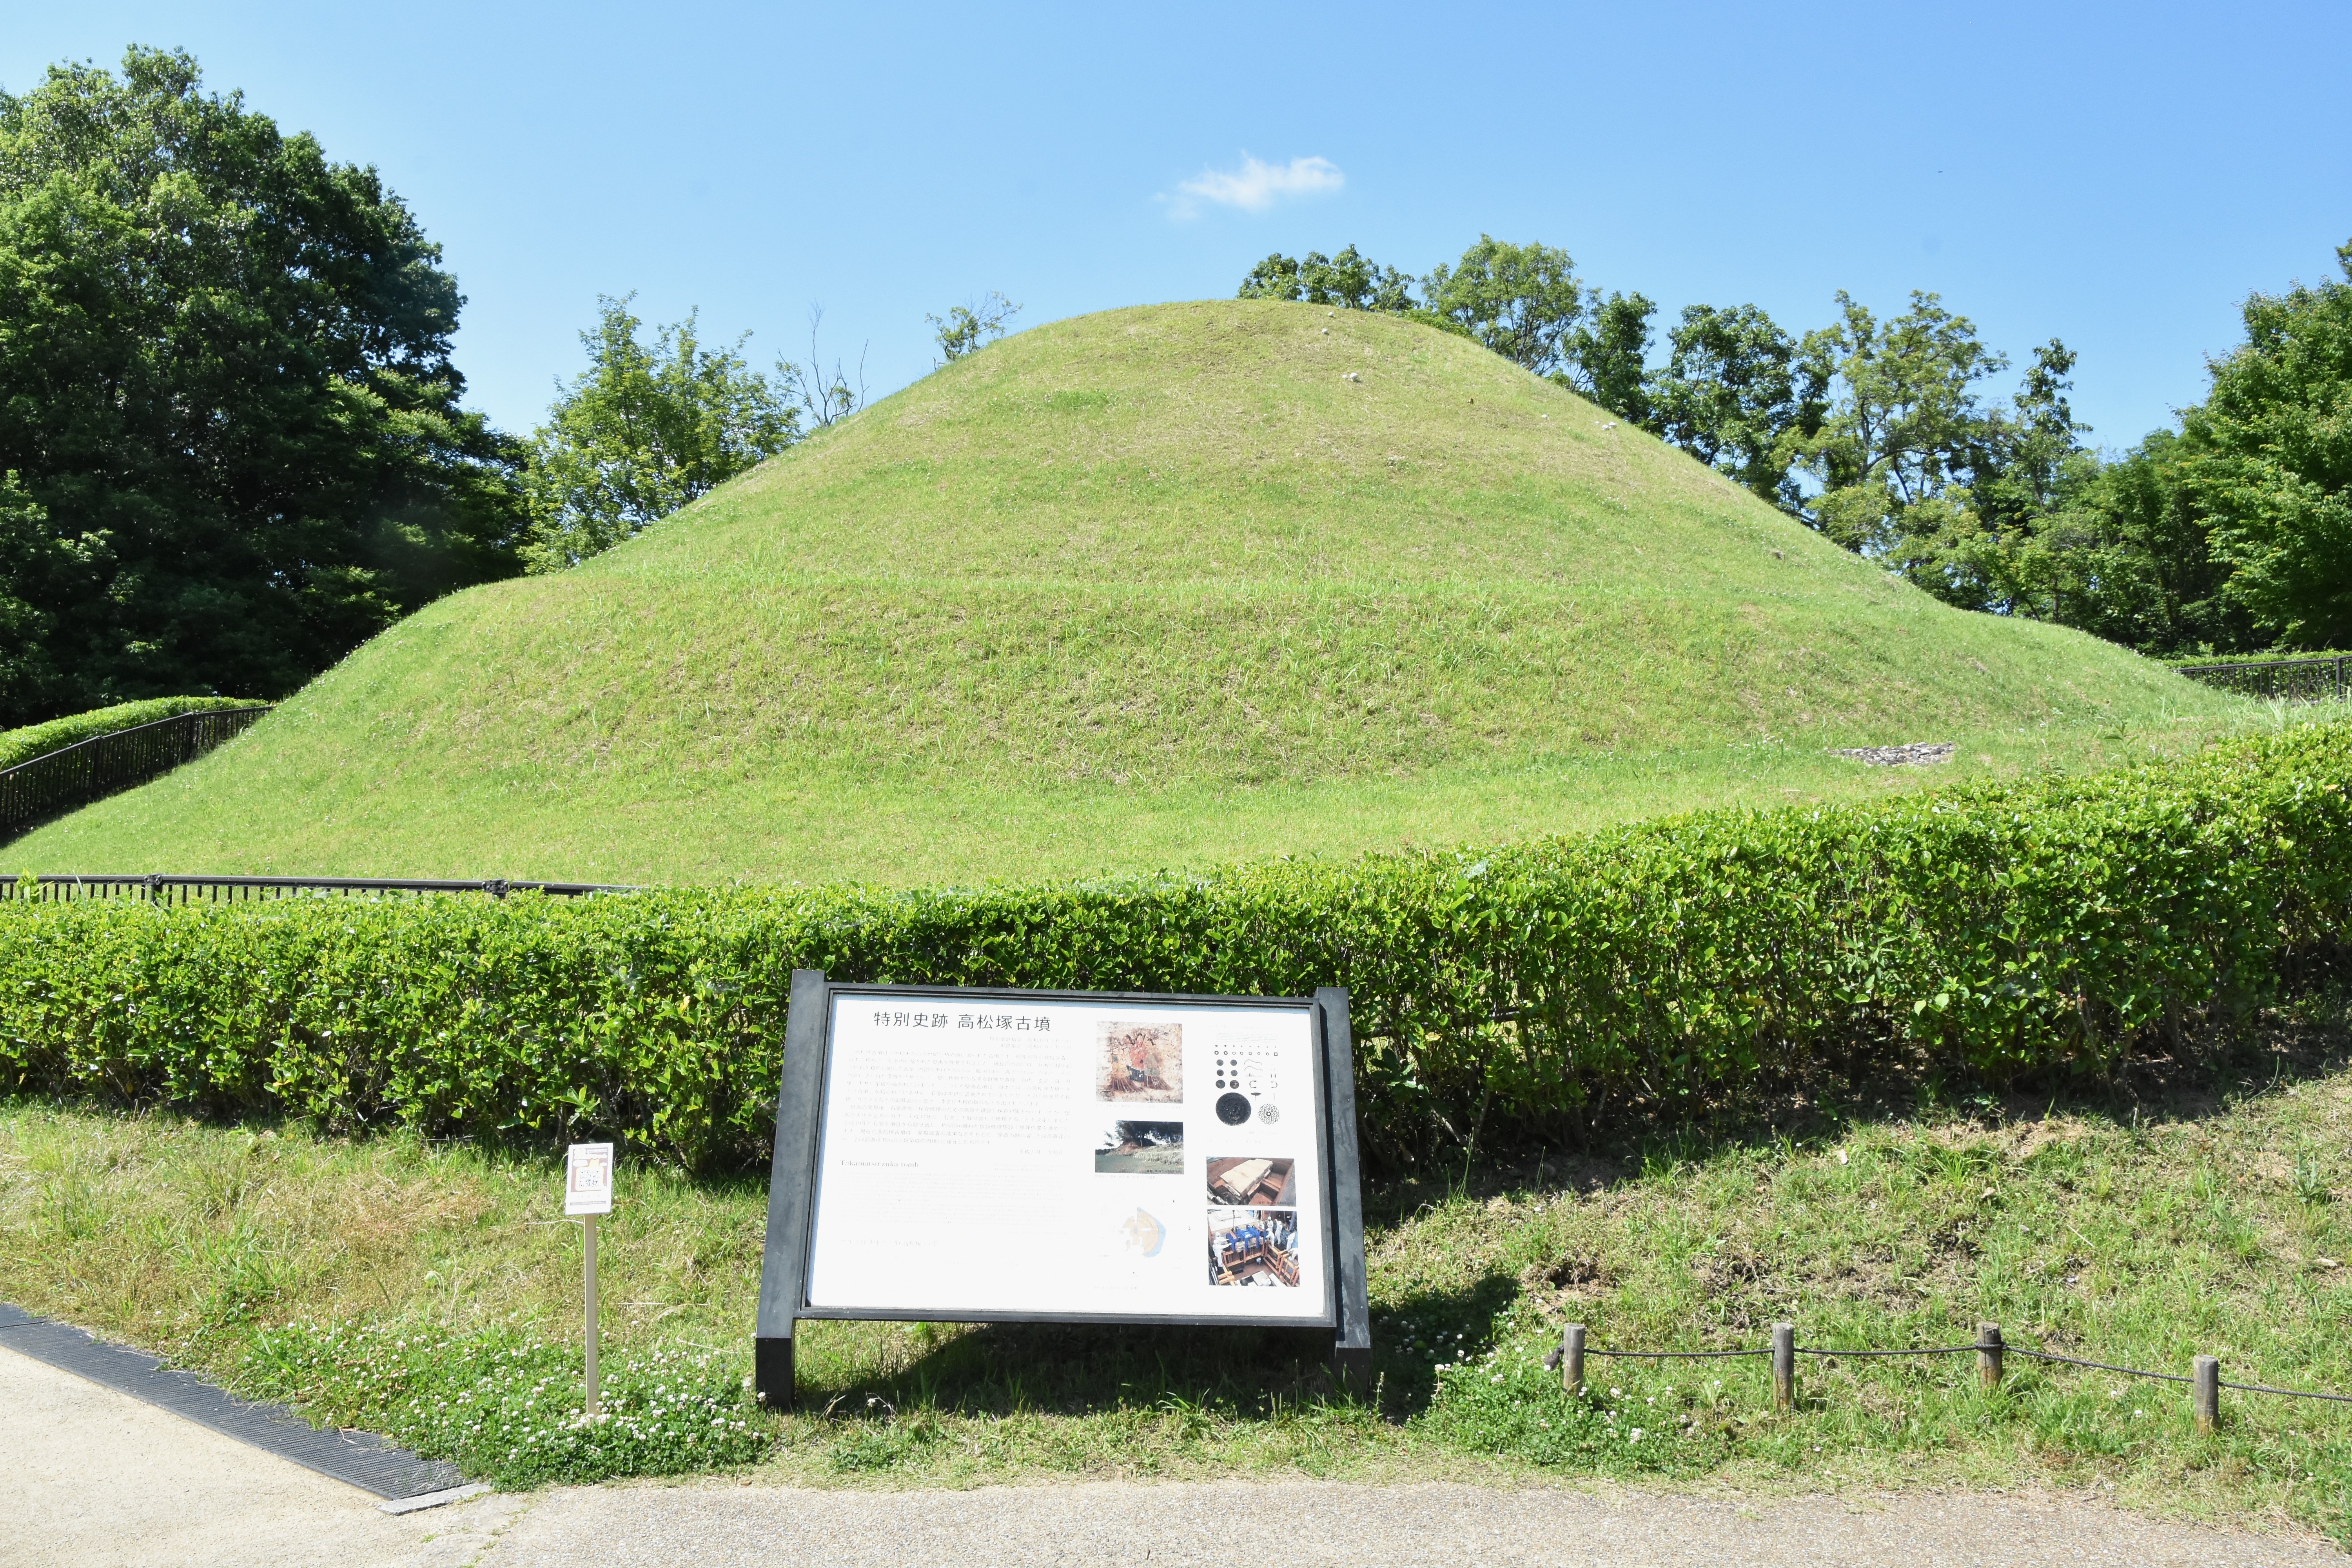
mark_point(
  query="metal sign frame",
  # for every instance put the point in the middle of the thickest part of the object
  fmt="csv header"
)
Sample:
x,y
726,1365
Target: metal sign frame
x,y
800,1129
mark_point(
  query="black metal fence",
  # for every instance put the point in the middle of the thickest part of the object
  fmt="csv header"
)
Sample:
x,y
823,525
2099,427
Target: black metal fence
x,y
59,781
2280,679
158,887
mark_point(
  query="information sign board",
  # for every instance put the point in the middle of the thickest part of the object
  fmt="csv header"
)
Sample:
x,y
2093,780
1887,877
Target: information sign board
x,y
960,1155
588,1179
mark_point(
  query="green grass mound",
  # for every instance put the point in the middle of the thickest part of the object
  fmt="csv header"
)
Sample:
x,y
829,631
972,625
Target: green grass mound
x,y
1165,585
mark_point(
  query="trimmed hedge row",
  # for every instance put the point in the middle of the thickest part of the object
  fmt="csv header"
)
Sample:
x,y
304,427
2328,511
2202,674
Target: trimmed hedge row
x,y
2271,655
39,739
2001,931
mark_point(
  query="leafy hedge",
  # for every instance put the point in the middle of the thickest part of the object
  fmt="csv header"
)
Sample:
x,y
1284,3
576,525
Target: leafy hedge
x,y
2001,931
38,740
2271,655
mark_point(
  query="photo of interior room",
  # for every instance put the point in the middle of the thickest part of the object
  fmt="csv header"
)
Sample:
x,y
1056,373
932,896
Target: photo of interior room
x,y
1241,1182
1254,1247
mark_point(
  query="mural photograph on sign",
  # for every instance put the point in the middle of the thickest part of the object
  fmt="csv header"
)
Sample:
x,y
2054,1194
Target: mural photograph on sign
x,y
1114,1158
1141,1061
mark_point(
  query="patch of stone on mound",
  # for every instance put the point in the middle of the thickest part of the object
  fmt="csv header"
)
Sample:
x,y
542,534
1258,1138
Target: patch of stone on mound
x,y
1918,754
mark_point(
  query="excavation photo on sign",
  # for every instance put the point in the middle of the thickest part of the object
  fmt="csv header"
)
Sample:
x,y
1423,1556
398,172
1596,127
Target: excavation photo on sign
x,y
964,1155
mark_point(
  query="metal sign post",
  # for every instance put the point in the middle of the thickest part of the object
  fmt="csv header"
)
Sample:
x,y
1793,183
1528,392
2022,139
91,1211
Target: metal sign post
x,y
587,1193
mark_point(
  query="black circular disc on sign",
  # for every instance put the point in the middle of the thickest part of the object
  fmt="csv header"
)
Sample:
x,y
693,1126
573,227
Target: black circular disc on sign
x,y
1233,1109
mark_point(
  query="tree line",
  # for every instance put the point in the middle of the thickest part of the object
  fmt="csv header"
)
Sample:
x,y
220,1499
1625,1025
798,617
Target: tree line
x,y
233,445
2230,533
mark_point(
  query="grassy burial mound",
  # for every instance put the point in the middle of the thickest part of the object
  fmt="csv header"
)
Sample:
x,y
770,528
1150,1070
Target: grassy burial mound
x,y
1159,586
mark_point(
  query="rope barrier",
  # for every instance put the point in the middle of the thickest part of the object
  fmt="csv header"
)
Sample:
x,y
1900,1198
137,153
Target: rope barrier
x,y
2100,1365
2289,1392
1997,1348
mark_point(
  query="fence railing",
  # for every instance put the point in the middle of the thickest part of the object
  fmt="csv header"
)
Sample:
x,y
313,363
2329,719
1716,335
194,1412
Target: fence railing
x,y
158,887
2204,1379
56,782
2288,679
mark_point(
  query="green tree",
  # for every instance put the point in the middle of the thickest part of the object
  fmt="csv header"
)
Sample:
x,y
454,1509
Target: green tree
x,y
1523,301
225,395
1608,357
1733,387
969,327
642,432
1892,457
37,568
2272,464
1349,281
2126,555
2027,460
2021,535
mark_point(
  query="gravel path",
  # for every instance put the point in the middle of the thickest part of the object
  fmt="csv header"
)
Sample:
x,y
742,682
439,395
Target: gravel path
x,y
1302,1523
96,1478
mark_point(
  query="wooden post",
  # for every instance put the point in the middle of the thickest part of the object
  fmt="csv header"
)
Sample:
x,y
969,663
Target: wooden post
x,y
1571,1358
590,1293
1784,1366
1989,1356
2207,1385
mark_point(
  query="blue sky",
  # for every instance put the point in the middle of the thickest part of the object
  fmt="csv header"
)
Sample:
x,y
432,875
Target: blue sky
x,y
2120,177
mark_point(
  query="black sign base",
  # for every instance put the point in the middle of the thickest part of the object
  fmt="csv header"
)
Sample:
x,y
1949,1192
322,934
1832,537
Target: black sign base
x,y
771,1373
773,1377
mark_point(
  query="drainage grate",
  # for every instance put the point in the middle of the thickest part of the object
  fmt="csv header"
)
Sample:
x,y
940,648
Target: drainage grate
x,y
361,1458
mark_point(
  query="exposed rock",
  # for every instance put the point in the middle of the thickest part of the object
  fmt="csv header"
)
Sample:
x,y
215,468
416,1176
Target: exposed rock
x,y
1917,754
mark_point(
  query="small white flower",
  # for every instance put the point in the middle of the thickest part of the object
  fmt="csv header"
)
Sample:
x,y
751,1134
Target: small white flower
x,y
1634,1435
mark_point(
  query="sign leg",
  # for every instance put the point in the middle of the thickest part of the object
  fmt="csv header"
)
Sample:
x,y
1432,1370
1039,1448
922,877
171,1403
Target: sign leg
x,y
1351,1350
771,1373
783,1260
590,1293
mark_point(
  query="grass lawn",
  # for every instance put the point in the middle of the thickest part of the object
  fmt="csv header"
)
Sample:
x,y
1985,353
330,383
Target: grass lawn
x,y
1143,589
895,828
2140,1221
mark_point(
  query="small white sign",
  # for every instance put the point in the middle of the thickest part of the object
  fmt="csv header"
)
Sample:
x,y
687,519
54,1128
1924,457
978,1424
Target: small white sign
x,y
588,1179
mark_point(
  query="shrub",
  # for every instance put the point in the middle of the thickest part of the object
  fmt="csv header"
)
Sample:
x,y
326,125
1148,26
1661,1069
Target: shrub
x,y
1996,931
39,739
2268,656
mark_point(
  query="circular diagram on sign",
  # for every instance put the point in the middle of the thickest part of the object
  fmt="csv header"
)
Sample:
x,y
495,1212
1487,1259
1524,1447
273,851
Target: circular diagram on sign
x,y
1233,1109
1268,1114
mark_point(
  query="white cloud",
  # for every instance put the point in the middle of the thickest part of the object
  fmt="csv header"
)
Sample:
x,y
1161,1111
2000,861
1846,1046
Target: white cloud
x,y
1255,185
